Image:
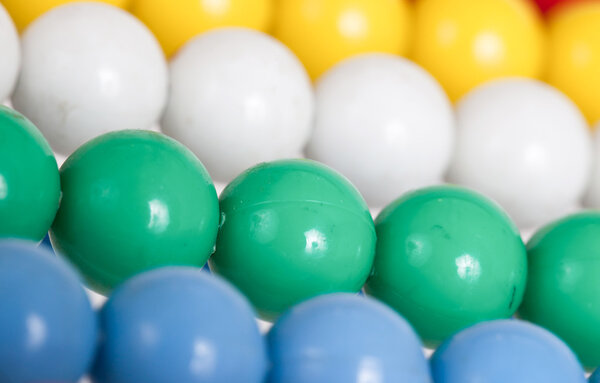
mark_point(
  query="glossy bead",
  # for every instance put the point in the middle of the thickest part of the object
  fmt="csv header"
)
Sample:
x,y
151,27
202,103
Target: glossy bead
x,y
324,32
524,144
89,68
464,43
385,123
505,351
447,258
132,201
574,57
562,288
240,92
24,12
174,22
11,54
592,197
291,230
179,325
48,328
29,179
345,338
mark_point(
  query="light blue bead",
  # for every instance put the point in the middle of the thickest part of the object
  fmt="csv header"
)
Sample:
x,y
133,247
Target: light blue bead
x,y
504,351
48,330
179,325
345,338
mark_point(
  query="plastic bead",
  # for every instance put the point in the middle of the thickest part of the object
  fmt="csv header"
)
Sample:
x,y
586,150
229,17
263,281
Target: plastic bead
x,y
345,338
132,201
291,230
179,325
385,123
175,22
29,179
524,144
47,325
89,68
562,288
505,351
239,92
464,43
574,57
325,32
447,258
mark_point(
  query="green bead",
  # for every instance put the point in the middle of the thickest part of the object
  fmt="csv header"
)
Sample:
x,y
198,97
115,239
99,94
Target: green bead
x,y
29,179
291,230
447,258
133,201
563,287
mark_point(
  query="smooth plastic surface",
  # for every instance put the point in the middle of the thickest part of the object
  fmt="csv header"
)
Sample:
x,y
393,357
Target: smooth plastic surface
x,y
505,351
179,325
524,144
11,54
324,32
174,22
384,123
464,43
132,201
574,55
562,288
595,378
47,326
447,258
290,230
29,179
345,338
89,68
241,93
24,12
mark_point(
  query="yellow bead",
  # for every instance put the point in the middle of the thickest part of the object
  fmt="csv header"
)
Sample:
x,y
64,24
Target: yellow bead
x,y
24,12
574,55
464,43
324,32
174,22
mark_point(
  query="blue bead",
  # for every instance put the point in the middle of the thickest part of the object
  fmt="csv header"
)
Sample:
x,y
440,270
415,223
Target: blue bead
x,y
595,378
505,351
180,325
345,338
48,330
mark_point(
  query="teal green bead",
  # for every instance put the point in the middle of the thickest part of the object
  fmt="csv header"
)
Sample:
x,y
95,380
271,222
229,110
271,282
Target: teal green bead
x,y
563,287
133,201
447,258
29,179
291,230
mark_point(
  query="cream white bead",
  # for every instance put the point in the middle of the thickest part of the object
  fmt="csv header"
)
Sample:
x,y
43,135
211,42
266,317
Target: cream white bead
x,y
90,68
238,97
385,123
524,144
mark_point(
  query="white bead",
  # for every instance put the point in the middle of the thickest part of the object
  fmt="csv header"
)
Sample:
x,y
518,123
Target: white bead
x,y
524,144
238,97
11,55
385,123
592,198
90,68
